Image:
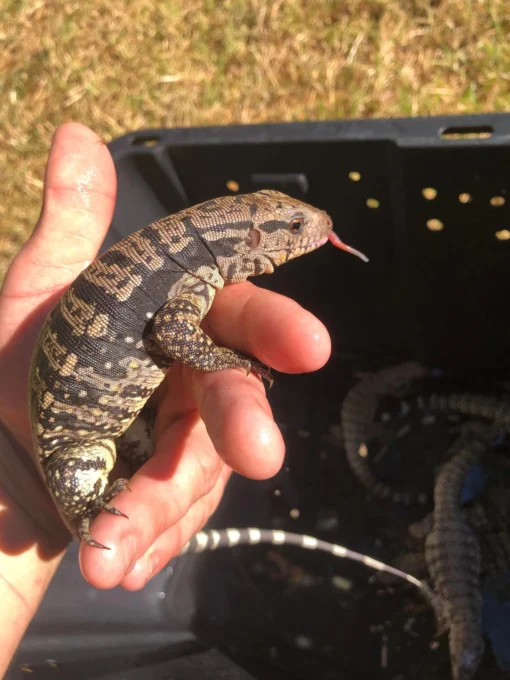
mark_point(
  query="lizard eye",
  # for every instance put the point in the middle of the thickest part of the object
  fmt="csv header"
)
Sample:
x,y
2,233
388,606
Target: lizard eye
x,y
296,224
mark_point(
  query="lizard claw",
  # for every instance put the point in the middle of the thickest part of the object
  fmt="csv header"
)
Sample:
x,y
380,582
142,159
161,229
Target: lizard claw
x,y
83,532
263,371
95,544
114,511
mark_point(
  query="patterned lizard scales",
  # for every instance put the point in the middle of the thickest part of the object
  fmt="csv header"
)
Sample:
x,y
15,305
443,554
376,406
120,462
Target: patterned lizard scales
x,y
107,344
454,562
452,552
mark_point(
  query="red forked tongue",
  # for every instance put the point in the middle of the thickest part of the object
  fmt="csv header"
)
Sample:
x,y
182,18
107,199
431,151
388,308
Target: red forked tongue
x,y
343,246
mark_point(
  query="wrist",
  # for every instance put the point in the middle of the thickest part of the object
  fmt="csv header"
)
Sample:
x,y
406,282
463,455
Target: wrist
x,y
24,580
25,499
33,541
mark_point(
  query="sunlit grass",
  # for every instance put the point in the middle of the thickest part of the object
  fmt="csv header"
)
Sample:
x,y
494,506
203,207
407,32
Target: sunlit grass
x,y
119,65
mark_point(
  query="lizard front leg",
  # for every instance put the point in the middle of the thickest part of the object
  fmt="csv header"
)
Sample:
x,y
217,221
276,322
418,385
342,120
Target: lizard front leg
x,y
177,332
77,477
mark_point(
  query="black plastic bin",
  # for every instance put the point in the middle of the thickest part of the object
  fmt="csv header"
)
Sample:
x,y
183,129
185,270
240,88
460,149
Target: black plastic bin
x,y
427,200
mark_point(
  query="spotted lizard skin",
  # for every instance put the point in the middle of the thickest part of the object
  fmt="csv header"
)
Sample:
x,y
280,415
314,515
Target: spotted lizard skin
x,y
452,552
227,538
108,343
360,405
453,557
357,414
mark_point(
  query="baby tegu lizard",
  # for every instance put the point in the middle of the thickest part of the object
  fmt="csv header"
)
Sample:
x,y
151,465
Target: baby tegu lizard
x,y
107,344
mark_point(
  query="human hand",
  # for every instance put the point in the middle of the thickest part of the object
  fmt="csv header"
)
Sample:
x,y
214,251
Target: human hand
x,y
208,424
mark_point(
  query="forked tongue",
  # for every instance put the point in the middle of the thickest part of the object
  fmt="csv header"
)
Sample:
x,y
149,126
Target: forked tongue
x,y
343,246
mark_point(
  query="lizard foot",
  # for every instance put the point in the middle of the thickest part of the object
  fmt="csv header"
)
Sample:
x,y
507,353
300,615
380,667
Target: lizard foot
x,y
84,534
77,478
117,486
103,503
100,504
113,511
263,371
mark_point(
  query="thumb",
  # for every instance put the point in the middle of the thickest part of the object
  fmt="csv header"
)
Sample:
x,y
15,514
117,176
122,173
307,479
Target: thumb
x,y
78,204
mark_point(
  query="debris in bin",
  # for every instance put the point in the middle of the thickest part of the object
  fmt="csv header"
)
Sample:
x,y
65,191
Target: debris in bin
x,y
341,583
384,651
303,642
358,410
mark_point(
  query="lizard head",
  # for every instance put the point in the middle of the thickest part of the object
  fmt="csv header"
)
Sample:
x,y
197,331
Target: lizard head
x,y
279,229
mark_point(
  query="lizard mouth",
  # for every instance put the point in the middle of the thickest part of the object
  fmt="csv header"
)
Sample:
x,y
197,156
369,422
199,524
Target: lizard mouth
x,y
320,242
335,240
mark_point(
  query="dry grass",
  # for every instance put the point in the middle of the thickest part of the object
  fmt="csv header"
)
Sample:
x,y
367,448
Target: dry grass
x,y
117,65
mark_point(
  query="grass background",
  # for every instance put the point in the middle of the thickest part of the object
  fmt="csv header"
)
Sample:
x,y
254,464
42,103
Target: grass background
x,y
118,65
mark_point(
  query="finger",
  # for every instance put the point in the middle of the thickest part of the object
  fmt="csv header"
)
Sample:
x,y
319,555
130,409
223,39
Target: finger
x,y
78,204
239,421
170,543
272,327
184,468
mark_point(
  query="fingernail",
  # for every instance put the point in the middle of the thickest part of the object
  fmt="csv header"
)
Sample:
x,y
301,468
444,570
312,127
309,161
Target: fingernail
x,y
129,545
